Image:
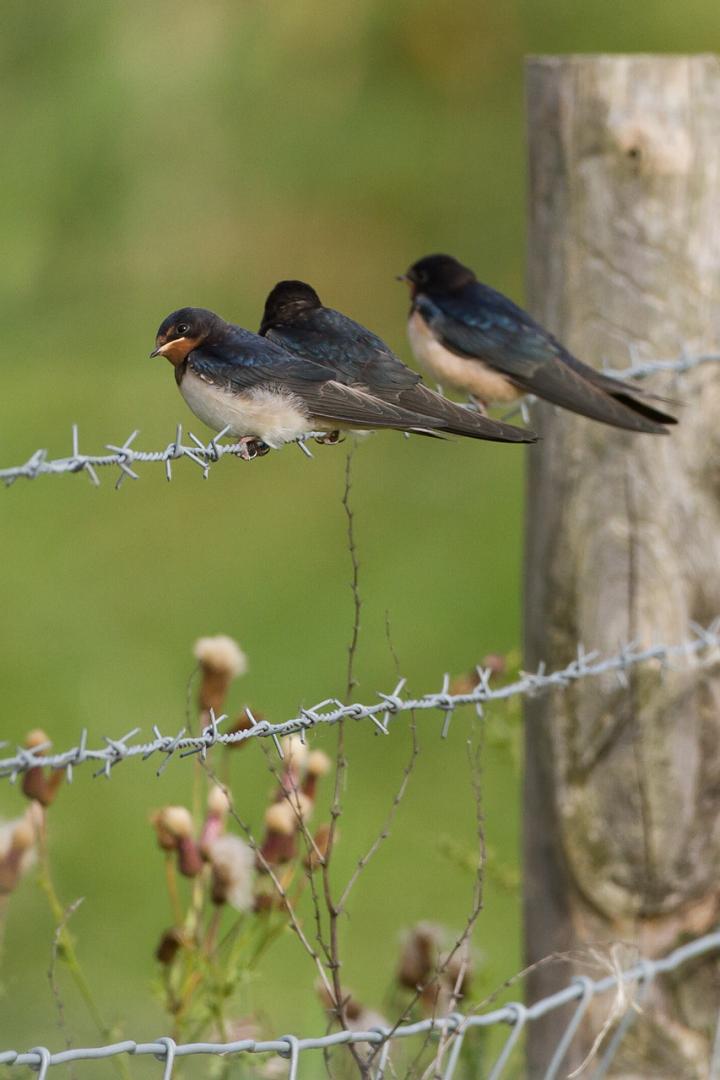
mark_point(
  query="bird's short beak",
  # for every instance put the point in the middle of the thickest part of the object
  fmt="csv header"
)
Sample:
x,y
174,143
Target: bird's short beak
x,y
402,277
156,352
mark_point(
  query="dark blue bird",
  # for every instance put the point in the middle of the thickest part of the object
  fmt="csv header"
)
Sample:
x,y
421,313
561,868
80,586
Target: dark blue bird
x,y
472,338
295,319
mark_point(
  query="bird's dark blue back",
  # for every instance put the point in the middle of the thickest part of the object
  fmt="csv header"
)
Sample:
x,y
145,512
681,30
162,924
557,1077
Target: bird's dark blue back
x,y
328,337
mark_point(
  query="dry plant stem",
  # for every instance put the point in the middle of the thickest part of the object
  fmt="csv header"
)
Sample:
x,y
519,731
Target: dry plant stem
x,y
355,578
477,899
63,946
311,846
334,909
389,821
435,1069
4,905
171,879
54,988
294,922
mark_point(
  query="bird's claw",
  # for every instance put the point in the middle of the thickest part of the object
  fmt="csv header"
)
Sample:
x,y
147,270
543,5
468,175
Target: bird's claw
x,y
251,448
476,404
331,439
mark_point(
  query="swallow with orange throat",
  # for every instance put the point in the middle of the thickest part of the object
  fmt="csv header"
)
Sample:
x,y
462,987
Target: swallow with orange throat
x,y
469,337
252,388
295,319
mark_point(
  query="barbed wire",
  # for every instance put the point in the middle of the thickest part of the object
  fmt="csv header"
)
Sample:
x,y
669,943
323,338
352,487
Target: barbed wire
x,y
640,369
331,710
124,456
517,1016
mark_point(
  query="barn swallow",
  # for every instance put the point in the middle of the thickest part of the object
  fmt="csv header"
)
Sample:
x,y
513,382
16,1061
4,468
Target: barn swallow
x,y
468,336
295,319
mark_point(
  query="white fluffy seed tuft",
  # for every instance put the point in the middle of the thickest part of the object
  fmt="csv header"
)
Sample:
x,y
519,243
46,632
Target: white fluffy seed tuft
x,y
222,655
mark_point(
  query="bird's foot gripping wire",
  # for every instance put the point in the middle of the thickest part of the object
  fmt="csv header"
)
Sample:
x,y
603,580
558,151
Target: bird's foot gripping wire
x,y
251,448
477,405
331,439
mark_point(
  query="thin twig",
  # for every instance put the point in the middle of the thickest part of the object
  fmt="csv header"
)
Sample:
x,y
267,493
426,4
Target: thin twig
x,y
54,988
389,821
477,898
338,997
279,888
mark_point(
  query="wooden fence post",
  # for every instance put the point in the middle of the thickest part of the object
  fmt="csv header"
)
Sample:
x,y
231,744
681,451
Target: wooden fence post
x,y
622,792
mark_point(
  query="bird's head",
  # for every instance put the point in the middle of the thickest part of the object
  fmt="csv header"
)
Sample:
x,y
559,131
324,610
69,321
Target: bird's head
x,y
287,300
183,331
437,273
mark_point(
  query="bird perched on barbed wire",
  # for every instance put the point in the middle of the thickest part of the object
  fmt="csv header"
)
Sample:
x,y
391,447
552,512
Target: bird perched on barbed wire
x,y
252,388
469,337
296,319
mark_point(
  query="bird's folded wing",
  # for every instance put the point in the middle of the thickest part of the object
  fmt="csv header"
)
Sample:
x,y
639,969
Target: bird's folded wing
x,y
509,341
353,351
321,394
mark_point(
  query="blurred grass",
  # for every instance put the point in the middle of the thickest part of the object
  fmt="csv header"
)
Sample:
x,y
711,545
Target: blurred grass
x,y
158,155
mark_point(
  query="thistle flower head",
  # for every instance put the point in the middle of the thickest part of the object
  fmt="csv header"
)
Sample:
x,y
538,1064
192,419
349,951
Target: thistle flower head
x,y
172,824
233,871
17,849
221,660
295,752
218,803
222,655
318,763
281,818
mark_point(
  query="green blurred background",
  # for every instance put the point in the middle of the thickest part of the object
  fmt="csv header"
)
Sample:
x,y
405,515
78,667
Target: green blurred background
x,y
164,154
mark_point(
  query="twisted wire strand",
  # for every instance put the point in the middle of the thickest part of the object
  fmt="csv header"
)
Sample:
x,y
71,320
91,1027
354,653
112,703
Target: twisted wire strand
x,y
514,1014
703,644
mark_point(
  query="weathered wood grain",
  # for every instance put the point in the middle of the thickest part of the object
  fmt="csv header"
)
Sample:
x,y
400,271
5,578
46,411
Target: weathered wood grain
x,y
622,799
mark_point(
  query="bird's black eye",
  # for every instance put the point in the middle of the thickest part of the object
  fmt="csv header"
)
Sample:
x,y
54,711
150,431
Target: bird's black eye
x,y
182,328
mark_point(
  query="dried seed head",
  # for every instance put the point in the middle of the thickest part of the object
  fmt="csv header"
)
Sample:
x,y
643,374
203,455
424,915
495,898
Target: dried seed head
x,y
168,946
233,872
280,843
301,806
218,803
495,663
35,784
36,737
222,655
318,763
17,851
190,860
418,956
172,823
318,852
221,660
295,752
459,969
464,684
281,818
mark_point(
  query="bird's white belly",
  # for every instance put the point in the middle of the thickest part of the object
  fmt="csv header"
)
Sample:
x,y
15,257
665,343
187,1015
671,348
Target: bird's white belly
x,y
460,372
273,416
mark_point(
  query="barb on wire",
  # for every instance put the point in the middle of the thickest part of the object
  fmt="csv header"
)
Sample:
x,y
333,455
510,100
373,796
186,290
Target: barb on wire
x,y
636,369
331,711
513,1015
640,369
124,456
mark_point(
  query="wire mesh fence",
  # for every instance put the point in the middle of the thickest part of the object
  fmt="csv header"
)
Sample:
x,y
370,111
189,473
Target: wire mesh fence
x,y
629,987
125,455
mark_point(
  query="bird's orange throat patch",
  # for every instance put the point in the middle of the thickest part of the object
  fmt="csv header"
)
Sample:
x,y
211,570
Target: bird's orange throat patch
x,y
177,351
